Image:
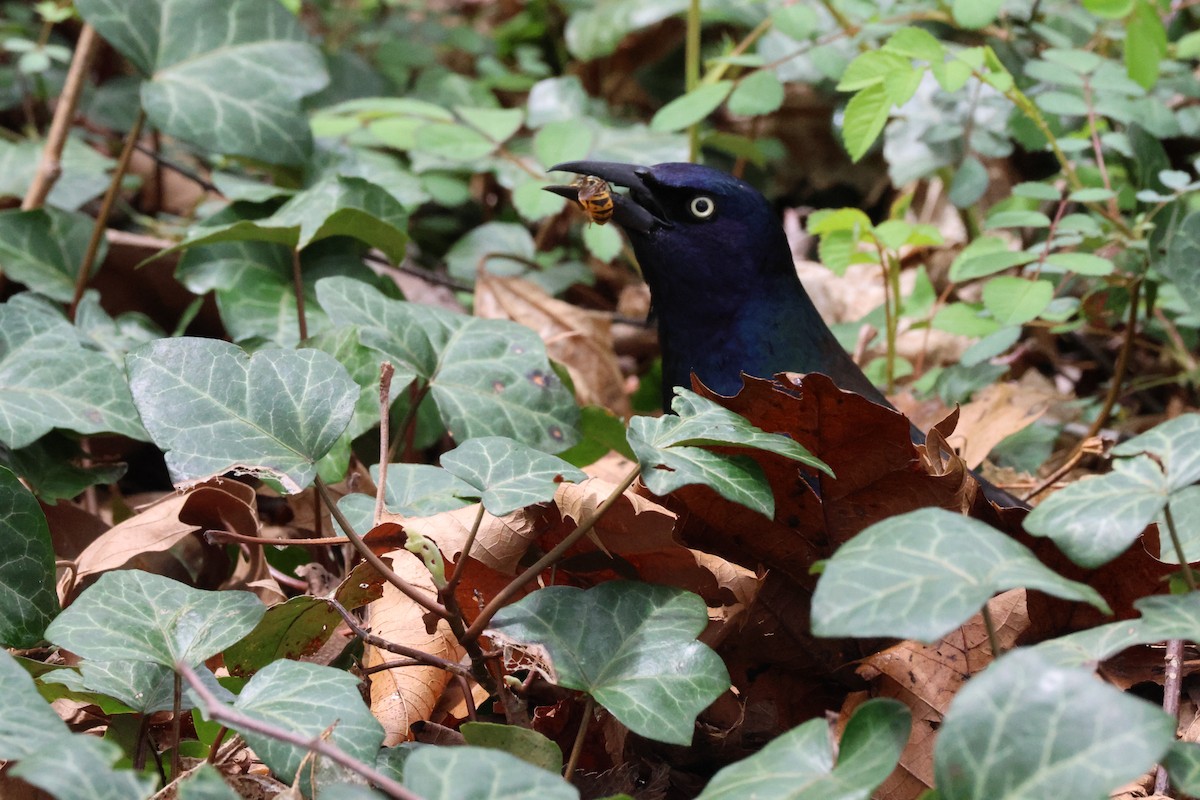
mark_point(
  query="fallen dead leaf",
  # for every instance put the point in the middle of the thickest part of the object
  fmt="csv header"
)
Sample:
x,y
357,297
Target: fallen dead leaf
x,y
215,504
579,339
996,412
404,695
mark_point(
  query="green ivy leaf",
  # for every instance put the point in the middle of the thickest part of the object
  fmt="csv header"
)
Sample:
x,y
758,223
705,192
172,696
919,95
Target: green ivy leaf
x,y
81,768
1025,728
29,726
631,646
670,451
920,575
487,377
28,600
335,206
1095,519
307,699
799,765
133,615
527,745
481,774
508,475
43,249
49,379
273,414
228,76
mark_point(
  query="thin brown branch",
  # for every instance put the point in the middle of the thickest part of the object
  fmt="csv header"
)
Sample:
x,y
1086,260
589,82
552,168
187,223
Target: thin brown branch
x,y
418,596
386,371
508,592
217,711
106,206
50,167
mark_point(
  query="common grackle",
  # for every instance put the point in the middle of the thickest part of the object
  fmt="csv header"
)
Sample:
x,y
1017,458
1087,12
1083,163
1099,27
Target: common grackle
x,y
722,282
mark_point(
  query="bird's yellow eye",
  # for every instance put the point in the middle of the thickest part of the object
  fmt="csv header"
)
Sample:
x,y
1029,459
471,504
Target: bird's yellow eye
x,y
702,206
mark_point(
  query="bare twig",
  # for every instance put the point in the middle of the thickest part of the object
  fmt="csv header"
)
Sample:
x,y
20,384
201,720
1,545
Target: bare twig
x,y
1172,681
580,735
418,596
386,371
50,167
106,206
217,711
418,656
518,583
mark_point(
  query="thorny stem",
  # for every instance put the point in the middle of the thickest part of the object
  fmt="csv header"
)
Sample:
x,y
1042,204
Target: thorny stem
x,y
1189,577
585,526
217,711
418,596
106,205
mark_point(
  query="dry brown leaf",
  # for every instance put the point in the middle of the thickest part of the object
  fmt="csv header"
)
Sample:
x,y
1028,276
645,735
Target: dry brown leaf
x,y
216,504
996,412
499,544
579,339
926,678
404,695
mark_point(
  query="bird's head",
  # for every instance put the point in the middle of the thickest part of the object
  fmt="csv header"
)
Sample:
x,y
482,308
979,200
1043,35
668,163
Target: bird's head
x,y
699,233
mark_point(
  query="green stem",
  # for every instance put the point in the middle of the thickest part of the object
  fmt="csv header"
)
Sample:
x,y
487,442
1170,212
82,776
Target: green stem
x,y
1188,576
691,74
993,638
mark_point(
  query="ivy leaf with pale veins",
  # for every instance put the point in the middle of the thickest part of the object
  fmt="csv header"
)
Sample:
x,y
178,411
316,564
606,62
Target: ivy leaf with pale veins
x,y
48,380
631,646
507,474
28,600
214,409
227,76
487,377
671,451
133,615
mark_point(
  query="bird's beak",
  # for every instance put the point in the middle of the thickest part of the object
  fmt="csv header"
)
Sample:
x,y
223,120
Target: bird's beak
x,y
636,211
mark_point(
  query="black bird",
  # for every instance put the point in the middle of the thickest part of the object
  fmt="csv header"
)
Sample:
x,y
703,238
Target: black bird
x,y
722,282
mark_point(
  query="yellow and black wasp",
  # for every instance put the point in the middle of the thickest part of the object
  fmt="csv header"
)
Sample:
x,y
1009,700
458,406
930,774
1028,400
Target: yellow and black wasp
x,y
595,197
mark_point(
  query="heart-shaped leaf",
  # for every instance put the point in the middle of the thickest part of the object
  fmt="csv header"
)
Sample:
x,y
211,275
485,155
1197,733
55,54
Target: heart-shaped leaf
x,y
487,377
922,574
43,249
631,646
227,76
1024,728
508,475
307,699
131,615
481,775
49,379
799,765
213,409
670,451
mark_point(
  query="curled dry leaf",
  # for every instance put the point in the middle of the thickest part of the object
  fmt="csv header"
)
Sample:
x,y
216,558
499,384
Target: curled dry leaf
x,y
579,339
404,695
215,504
